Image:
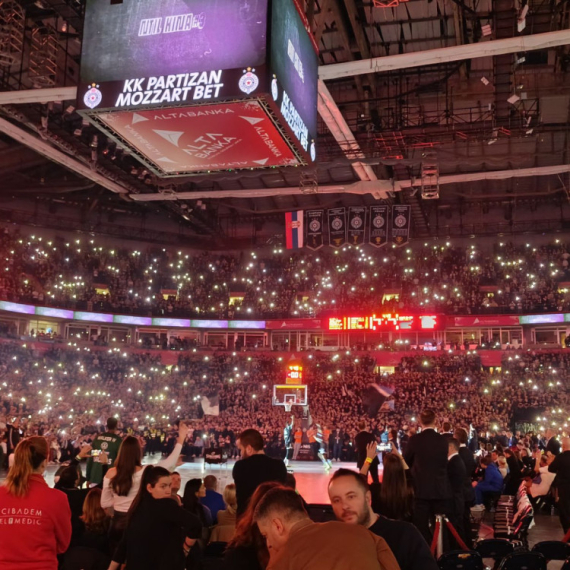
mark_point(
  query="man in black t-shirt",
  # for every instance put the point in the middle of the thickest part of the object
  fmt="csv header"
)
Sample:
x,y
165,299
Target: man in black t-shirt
x,y
362,439
254,468
351,501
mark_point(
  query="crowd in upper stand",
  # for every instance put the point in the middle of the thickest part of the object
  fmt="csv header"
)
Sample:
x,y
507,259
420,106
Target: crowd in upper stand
x,y
81,274
67,393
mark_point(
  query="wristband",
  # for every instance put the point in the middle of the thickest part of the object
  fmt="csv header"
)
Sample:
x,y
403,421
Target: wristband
x,y
78,457
369,460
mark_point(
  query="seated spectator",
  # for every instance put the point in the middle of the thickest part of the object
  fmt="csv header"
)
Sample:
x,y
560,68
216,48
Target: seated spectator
x,y
351,501
213,500
247,550
159,532
194,491
25,545
297,543
225,529
502,466
96,523
539,485
68,484
92,548
175,487
491,483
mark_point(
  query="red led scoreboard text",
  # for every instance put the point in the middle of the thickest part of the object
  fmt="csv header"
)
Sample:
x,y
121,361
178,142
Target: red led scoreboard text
x,y
294,374
386,322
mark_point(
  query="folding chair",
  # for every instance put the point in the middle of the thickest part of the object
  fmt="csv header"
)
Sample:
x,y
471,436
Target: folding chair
x,y
461,560
553,549
494,548
524,561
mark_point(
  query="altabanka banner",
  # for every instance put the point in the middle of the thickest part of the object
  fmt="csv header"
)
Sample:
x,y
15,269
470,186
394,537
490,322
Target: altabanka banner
x,y
356,225
314,224
378,226
337,227
401,219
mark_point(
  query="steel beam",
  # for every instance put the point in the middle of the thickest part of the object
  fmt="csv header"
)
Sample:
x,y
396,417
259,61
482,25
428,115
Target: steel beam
x,y
380,189
340,130
444,55
45,149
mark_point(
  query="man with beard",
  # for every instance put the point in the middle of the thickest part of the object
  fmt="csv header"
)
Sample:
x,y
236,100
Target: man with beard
x,y
351,501
254,468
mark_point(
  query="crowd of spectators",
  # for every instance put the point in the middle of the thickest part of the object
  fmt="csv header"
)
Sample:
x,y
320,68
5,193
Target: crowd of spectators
x,y
67,392
275,283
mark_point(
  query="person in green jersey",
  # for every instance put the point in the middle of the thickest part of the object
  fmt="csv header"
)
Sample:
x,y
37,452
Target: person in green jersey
x,y
108,444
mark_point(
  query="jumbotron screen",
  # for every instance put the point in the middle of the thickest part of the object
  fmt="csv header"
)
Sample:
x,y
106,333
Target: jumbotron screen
x,y
294,64
248,67
169,50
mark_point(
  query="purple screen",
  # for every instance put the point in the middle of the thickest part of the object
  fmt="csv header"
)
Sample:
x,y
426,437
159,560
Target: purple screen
x,y
146,38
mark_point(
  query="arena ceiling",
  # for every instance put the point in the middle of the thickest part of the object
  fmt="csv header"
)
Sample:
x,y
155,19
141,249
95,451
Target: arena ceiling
x,y
388,107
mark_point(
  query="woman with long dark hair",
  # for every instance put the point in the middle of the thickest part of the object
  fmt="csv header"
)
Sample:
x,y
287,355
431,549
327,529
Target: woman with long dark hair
x,y
392,498
193,492
159,533
247,549
122,482
36,520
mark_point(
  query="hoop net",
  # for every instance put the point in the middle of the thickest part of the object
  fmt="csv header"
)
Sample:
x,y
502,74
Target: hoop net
x,y
288,407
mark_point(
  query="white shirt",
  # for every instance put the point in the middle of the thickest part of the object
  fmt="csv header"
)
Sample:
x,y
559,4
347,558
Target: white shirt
x,y
122,504
452,455
542,488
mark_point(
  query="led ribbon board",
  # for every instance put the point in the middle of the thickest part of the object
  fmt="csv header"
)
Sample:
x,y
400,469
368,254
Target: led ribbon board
x,y
187,85
387,322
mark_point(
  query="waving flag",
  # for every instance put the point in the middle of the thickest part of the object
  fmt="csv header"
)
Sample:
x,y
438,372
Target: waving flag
x,y
294,229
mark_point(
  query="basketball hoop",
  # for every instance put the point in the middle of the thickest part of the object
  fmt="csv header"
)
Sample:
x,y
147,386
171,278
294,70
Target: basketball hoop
x,y
288,407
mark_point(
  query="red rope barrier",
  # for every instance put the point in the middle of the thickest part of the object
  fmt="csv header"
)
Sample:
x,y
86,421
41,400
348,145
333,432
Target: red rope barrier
x,y
435,537
566,537
455,535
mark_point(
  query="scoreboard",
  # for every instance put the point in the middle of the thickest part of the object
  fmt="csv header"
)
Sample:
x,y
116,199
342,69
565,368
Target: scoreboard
x,y
387,322
194,86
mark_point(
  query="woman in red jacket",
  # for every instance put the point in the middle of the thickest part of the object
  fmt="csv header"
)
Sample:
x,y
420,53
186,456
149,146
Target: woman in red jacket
x,y
35,521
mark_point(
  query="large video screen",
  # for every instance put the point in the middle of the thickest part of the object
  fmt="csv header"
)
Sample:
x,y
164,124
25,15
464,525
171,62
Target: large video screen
x,y
294,62
152,38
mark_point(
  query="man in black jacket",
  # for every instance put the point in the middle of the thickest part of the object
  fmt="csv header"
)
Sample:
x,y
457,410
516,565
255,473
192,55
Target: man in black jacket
x,y
362,439
468,493
351,501
426,455
254,468
561,466
457,474
552,444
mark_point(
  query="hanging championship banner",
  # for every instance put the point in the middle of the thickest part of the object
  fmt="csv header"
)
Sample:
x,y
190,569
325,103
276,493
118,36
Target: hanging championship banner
x,y
314,223
356,225
378,226
401,219
337,227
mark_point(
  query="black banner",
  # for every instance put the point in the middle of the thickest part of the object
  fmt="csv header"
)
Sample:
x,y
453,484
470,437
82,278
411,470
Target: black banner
x,y
337,227
314,225
356,225
378,226
401,220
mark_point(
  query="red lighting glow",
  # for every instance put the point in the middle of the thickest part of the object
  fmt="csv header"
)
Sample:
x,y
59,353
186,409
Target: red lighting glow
x,y
385,322
294,374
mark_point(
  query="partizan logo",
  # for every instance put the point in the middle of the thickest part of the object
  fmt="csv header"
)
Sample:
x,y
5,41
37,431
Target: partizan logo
x,y
356,222
379,222
400,221
337,224
248,82
315,225
93,97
